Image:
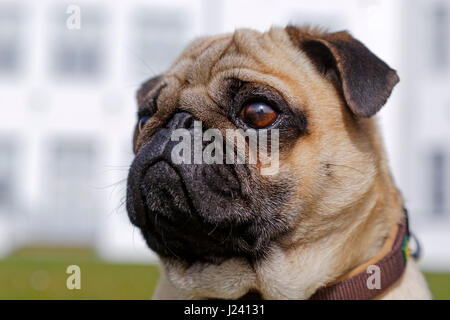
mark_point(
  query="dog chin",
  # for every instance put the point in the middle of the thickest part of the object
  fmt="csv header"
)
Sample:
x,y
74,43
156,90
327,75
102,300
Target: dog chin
x,y
199,280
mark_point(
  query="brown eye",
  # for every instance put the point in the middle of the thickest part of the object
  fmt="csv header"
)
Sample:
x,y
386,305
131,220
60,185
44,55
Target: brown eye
x,y
258,115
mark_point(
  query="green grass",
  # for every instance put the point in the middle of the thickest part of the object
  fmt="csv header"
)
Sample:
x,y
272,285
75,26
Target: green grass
x,y
40,273
439,285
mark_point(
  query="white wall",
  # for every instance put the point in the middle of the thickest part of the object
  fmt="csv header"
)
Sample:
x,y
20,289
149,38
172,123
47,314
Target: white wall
x,y
39,107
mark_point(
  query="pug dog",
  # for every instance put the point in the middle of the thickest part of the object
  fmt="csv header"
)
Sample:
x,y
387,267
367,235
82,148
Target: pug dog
x,y
227,231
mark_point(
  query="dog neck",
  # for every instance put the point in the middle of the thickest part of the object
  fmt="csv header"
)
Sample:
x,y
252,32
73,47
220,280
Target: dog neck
x,y
285,274
299,273
359,283
360,231
295,268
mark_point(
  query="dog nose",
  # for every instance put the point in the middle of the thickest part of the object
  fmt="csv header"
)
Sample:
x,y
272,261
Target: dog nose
x,y
149,158
183,209
160,144
181,120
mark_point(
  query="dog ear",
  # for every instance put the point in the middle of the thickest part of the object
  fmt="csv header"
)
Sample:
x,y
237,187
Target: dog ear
x,y
365,80
146,87
142,92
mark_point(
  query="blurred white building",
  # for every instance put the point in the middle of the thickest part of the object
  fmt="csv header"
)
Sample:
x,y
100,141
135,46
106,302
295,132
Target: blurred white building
x,y
67,106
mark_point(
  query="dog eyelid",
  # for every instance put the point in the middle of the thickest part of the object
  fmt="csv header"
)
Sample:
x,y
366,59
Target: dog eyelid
x,y
142,112
142,121
150,104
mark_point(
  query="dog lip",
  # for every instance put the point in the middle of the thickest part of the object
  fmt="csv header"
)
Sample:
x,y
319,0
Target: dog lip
x,y
180,176
181,180
136,194
164,227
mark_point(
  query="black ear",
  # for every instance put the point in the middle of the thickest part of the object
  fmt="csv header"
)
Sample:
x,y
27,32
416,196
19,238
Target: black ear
x,y
146,87
366,81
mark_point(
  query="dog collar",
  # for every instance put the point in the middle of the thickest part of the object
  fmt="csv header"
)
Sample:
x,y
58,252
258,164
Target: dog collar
x,y
357,285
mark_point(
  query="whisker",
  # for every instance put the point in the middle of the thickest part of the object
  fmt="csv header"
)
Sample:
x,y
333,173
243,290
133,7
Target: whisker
x,y
345,166
115,184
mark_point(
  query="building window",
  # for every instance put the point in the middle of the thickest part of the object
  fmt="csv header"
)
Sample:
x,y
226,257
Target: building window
x,y
440,35
7,176
158,36
78,52
438,183
72,182
11,35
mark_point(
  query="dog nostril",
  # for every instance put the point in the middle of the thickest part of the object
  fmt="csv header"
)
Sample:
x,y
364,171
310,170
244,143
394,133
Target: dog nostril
x,y
181,120
188,123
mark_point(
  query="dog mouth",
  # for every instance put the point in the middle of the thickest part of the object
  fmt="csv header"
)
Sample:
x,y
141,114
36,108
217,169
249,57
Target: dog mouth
x,y
167,201
178,222
197,213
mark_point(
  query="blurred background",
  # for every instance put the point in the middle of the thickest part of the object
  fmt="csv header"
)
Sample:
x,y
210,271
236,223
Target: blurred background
x,y
67,112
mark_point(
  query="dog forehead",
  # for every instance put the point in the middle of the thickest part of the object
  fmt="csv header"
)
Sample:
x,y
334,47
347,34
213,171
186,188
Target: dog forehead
x,y
199,61
269,59
266,58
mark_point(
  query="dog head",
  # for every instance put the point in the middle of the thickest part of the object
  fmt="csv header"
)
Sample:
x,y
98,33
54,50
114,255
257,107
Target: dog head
x,y
319,91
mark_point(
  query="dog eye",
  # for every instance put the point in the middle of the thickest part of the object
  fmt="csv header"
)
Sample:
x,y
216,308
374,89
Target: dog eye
x,y
142,122
258,115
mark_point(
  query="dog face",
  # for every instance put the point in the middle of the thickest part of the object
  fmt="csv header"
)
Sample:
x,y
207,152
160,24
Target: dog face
x,y
317,89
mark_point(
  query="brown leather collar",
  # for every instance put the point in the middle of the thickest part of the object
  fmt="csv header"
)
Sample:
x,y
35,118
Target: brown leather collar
x,y
354,285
